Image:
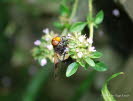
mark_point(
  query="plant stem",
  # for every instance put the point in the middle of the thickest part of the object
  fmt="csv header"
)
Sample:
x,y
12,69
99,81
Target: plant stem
x,y
73,11
91,26
90,8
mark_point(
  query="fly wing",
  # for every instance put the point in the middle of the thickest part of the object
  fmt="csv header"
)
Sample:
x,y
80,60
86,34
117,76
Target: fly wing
x,y
57,65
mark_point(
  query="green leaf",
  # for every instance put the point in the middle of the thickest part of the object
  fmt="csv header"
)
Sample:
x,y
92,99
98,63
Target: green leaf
x,y
100,66
72,68
86,66
107,96
95,55
82,63
99,17
58,25
78,27
90,61
64,10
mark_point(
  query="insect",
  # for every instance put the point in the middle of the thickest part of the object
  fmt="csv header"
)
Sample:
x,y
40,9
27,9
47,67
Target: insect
x,y
60,52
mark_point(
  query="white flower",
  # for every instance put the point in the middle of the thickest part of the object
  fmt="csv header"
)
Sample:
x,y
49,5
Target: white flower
x,y
46,31
90,40
92,49
37,42
47,39
80,54
43,62
79,33
69,34
81,38
77,50
50,47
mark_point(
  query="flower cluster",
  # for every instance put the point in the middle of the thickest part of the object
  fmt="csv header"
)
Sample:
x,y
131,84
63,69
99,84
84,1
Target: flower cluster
x,y
79,45
80,48
43,49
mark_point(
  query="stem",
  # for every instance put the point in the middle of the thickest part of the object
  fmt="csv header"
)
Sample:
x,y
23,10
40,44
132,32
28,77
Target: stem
x,y
91,26
73,11
90,8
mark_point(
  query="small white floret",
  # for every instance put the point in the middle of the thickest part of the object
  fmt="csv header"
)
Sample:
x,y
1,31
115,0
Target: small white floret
x,y
47,39
50,47
81,38
92,49
46,31
80,54
90,40
37,42
43,62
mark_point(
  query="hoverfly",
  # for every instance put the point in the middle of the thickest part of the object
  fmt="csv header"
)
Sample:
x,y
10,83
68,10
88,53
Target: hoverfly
x,y
60,52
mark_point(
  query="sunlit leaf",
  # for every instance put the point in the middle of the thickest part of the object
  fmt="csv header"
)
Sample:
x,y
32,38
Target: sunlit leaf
x,y
95,55
100,66
107,96
99,17
90,61
78,27
72,68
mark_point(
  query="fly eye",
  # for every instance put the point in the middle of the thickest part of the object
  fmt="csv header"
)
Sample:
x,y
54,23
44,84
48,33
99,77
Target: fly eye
x,y
55,43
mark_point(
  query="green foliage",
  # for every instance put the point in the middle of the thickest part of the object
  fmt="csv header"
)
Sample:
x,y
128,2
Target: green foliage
x,y
82,63
100,66
90,61
64,10
58,25
95,54
36,83
78,26
107,96
99,17
72,68
84,87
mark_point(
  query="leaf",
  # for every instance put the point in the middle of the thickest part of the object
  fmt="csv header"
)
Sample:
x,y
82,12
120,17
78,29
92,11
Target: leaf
x,y
90,61
64,10
99,17
86,66
82,64
78,27
100,66
58,25
107,96
72,68
95,55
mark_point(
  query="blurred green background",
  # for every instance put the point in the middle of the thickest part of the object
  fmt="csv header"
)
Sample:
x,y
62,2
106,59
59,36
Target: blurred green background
x,y
22,79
